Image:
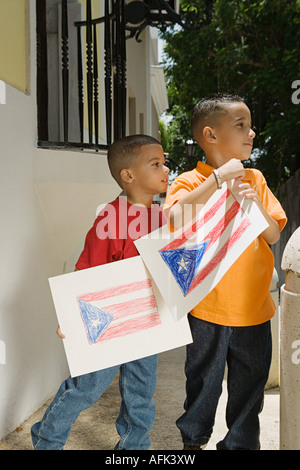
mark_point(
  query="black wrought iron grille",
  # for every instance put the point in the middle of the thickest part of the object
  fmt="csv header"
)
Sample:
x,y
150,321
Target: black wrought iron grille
x,y
69,76
81,65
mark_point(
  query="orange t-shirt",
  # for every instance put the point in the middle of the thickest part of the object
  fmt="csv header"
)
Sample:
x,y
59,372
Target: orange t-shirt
x,y
242,297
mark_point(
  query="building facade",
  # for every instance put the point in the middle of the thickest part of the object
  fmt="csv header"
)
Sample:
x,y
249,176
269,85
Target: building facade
x,y
50,193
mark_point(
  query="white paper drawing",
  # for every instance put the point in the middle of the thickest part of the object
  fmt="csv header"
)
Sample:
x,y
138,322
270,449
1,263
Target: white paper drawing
x,y
112,314
188,264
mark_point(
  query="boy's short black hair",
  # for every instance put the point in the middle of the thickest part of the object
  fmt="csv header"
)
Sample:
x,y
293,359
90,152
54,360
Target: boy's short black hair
x,y
122,153
209,108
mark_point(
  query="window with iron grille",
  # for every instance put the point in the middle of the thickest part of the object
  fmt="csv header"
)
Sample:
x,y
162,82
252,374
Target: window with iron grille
x,y
81,64
81,73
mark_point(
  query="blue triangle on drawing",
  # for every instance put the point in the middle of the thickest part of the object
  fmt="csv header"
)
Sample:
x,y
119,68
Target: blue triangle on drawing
x,y
183,263
95,320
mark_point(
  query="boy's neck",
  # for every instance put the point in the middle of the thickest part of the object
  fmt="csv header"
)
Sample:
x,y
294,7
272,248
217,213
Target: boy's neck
x,y
215,161
144,200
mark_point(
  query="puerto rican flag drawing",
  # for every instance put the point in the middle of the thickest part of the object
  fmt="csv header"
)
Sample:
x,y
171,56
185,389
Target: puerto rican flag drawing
x,y
199,250
119,311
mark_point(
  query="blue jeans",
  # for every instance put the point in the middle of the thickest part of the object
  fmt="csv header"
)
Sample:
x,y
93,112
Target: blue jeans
x,y
247,351
137,384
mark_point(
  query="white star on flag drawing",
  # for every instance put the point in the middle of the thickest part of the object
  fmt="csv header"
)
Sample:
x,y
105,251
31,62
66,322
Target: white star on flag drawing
x,y
183,265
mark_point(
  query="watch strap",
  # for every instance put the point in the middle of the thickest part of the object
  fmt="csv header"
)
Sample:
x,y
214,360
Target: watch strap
x,y
218,179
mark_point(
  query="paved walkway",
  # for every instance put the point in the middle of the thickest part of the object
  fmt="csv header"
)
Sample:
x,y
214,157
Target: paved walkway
x,y
95,428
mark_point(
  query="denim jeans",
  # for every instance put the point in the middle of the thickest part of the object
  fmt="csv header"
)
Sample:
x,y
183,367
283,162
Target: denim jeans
x,y
247,351
137,384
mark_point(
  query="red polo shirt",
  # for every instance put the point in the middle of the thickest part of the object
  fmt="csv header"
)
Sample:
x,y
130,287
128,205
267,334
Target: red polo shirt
x,y
117,226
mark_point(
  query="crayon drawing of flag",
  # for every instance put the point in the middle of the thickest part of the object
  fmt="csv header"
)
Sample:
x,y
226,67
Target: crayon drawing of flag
x,y
198,252
119,311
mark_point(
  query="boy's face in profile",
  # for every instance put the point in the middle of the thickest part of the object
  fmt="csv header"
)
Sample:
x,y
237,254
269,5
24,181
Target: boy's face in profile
x,y
233,133
149,171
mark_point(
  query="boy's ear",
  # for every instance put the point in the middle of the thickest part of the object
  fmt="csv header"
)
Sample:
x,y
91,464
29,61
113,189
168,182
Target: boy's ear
x,y
209,134
126,175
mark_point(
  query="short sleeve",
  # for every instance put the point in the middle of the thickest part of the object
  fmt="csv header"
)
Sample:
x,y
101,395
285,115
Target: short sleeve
x,y
179,188
96,251
270,202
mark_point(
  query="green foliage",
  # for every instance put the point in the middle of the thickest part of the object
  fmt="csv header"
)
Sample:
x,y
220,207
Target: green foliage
x,y
250,48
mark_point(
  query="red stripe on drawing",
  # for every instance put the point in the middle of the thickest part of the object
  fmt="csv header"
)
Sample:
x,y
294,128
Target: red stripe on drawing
x,y
133,325
221,254
185,236
114,291
223,223
131,307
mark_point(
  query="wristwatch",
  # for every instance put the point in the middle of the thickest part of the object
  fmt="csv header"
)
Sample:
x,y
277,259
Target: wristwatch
x,y
218,179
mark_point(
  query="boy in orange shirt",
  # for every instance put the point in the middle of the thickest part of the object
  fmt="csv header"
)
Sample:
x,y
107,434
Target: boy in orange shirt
x,y
232,323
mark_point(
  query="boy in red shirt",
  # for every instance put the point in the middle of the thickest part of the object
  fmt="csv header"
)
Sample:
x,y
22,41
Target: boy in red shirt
x,y
137,163
232,323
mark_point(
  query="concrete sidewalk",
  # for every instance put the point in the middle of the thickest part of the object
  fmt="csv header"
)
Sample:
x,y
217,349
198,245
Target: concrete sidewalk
x,y
95,427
